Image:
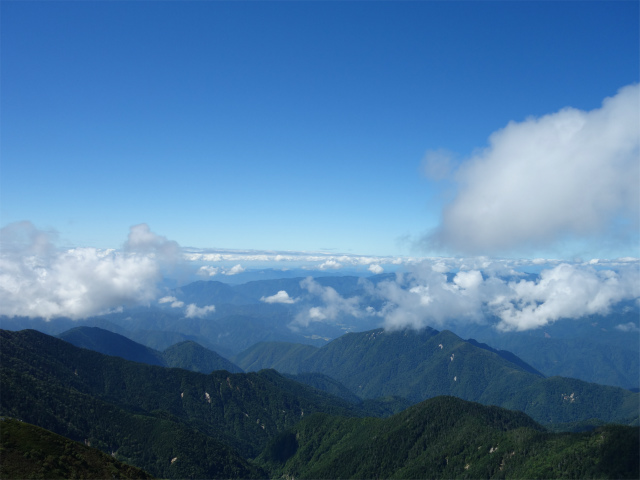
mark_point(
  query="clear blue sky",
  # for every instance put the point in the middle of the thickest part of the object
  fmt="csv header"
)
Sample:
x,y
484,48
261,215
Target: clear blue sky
x,y
287,125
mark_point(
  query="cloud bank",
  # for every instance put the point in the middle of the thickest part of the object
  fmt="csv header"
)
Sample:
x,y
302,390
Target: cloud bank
x,y
425,296
38,280
565,176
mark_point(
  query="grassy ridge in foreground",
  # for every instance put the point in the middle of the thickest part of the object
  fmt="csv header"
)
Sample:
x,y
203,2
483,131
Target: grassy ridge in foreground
x,y
446,437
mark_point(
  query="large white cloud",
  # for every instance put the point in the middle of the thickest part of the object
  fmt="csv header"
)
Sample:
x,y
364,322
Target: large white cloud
x,y
425,297
565,176
38,280
566,291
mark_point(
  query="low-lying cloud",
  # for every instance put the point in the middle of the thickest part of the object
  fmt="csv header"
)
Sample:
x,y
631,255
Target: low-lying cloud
x,y
281,297
334,305
425,296
193,311
38,280
571,175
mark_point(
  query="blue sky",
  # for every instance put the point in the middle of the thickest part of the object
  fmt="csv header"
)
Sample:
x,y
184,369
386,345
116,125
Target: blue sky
x,y
305,126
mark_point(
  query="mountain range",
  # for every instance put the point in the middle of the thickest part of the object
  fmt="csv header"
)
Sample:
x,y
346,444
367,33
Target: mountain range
x,y
186,354
602,349
176,423
428,363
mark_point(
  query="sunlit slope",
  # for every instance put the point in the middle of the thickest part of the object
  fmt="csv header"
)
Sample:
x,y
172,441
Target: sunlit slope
x,y
425,364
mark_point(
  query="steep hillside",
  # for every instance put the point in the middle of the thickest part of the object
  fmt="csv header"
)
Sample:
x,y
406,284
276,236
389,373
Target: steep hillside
x,y
147,414
281,356
446,437
425,364
193,356
29,451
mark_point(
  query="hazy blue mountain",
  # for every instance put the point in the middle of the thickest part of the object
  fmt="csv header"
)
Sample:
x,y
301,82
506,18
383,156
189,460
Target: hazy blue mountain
x,y
210,293
109,343
593,348
425,364
187,354
284,357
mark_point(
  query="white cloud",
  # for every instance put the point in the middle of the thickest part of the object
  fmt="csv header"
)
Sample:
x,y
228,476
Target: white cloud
x,y
628,327
376,269
570,175
234,270
193,310
566,291
468,280
281,297
37,280
175,303
334,304
425,297
330,265
142,240
207,271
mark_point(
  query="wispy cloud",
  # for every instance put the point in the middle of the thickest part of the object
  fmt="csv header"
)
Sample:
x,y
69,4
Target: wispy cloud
x,y
175,303
193,311
571,175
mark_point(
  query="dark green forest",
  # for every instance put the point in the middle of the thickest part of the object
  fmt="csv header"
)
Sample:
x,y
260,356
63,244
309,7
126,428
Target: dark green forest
x,y
176,423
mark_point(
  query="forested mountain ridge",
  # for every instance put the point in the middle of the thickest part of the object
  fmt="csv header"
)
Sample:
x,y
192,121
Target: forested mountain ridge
x,y
186,354
428,363
446,437
176,423
148,414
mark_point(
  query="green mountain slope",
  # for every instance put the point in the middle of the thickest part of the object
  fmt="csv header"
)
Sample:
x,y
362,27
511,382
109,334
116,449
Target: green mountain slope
x,y
425,364
148,414
29,451
446,437
281,356
193,356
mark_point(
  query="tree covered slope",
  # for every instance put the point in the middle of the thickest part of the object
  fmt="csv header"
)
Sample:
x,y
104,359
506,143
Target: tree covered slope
x,y
425,364
148,415
446,437
29,451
